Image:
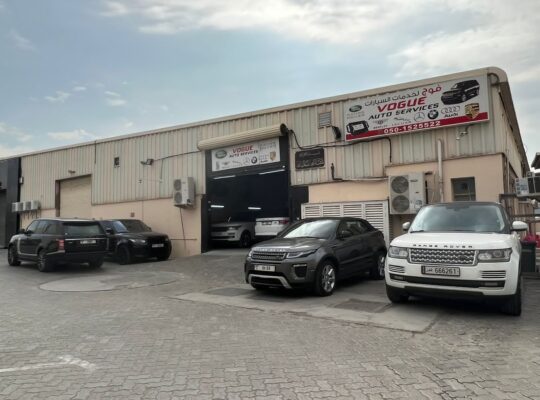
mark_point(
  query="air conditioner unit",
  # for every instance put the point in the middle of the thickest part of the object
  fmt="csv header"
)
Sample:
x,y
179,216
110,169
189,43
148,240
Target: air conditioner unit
x,y
184,192
36,205
16,207
529,174
529,186
27,206
407,193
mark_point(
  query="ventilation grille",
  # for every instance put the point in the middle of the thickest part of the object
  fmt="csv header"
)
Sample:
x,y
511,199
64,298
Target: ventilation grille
x,y
396,269
325,119
493,274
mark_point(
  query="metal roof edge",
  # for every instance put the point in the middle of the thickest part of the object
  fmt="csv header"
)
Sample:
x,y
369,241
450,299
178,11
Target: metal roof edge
x,y
325,100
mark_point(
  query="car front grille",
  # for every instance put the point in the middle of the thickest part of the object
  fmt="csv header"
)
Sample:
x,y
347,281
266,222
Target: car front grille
x,y
268,256
220,229
442,256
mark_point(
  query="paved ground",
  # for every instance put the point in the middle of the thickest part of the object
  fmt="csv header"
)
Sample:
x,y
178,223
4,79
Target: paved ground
x,y
146,339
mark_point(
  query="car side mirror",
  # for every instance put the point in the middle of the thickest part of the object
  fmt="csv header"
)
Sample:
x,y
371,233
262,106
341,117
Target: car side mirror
x,y
519,226
109,231
22,231
406,226
28,232
344,234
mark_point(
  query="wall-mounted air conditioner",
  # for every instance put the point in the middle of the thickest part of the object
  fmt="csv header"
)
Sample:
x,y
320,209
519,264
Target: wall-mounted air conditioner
x,y
407,193
17,207
184,192
27,206
35,205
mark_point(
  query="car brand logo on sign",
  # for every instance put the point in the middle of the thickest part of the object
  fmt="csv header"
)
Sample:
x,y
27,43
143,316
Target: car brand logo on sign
x,y
426,107
472,110
221,154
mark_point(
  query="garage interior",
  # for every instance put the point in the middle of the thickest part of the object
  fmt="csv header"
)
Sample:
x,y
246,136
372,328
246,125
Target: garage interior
x,y
243,198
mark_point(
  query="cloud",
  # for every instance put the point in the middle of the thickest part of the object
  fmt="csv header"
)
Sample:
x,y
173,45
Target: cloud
x,y
60,97
20,41
79,88
503,35
346,22
114,99
76,135
8,151
11,132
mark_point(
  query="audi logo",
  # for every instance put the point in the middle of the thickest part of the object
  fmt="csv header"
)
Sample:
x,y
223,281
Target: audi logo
x,y
451,109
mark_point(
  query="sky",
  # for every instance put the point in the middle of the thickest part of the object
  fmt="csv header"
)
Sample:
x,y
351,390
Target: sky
x,y
75,71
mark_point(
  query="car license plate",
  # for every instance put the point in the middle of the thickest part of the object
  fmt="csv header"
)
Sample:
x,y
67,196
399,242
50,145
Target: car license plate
x,y
448,271
88,241
266,268
158,245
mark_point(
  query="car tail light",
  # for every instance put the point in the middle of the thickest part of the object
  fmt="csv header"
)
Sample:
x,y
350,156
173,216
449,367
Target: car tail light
x,y
61,244
283,222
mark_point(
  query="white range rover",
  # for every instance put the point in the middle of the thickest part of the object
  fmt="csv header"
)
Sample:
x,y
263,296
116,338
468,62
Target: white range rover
x,y
461,250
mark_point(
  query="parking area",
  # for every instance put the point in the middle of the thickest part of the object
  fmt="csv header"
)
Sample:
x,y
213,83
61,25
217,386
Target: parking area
x,y
191,328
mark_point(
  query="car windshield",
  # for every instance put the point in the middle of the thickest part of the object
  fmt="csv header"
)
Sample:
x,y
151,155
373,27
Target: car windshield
x,y
321,229
460,218
130,225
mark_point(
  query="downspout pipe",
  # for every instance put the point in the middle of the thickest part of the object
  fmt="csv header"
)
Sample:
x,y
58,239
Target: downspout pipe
x,y
439,161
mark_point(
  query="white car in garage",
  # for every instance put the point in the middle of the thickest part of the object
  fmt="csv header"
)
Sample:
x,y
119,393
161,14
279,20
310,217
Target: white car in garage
x,y
270,227
458,250
234,232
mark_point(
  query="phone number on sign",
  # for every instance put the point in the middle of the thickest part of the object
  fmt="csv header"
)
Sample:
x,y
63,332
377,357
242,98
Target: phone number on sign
x,y
413,127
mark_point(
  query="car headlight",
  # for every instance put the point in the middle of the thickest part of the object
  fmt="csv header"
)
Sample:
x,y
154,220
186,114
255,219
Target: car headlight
x,y
233,228
497,255
298,254
398,252
138,241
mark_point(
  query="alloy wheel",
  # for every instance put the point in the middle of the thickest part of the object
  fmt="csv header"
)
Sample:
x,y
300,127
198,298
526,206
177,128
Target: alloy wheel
x,y
380,264
328,278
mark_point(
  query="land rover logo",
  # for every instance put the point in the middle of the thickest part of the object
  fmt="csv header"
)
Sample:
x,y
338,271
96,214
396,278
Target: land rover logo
x,y
221,153
355,108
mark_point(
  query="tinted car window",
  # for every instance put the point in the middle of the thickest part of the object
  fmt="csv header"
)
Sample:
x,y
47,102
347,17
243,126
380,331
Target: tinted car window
x,y
41,226
355,227
107,224
460,218
322,229
53,228
78,229
32,227
130,225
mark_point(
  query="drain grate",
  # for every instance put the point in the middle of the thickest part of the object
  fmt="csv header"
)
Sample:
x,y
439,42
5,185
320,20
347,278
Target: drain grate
x,y
360,305
230,291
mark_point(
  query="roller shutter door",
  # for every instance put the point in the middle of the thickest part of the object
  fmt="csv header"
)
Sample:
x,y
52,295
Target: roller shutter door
x,y
375,212
76,198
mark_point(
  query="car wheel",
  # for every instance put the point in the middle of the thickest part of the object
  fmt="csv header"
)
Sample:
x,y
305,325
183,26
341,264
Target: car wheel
x,y
96,263
325,278
513,305
245,239
123,255
396,295
13,258
43,264
377,271
464,98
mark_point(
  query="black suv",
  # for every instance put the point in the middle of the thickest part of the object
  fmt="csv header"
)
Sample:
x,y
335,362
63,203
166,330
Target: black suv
x,y
129,238
461,92
316,253
59,241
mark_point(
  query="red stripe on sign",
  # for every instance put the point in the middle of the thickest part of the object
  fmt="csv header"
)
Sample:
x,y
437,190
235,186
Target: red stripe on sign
x,y
419,126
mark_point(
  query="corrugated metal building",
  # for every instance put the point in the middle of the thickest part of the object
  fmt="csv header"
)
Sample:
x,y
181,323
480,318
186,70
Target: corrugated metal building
x,y
110,179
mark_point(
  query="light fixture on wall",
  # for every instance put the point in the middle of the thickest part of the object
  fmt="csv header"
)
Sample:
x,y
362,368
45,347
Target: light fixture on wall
x,y
71,171
148,161
337,132
464,131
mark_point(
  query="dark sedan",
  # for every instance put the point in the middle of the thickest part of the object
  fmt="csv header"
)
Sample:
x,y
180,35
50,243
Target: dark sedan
x,y
132,238
316,253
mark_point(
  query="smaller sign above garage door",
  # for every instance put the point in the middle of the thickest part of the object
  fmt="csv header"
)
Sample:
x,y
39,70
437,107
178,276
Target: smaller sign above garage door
x,y
375,212
246,155
75,198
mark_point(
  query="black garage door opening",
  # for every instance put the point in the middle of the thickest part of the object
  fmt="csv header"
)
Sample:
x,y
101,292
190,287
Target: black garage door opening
x,y
242,199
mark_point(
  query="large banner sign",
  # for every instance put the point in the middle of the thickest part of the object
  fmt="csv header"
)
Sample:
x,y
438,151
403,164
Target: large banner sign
x,y
462,101
246,155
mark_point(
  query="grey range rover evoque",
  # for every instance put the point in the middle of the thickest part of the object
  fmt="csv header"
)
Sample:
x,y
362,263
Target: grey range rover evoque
x,y
316,253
